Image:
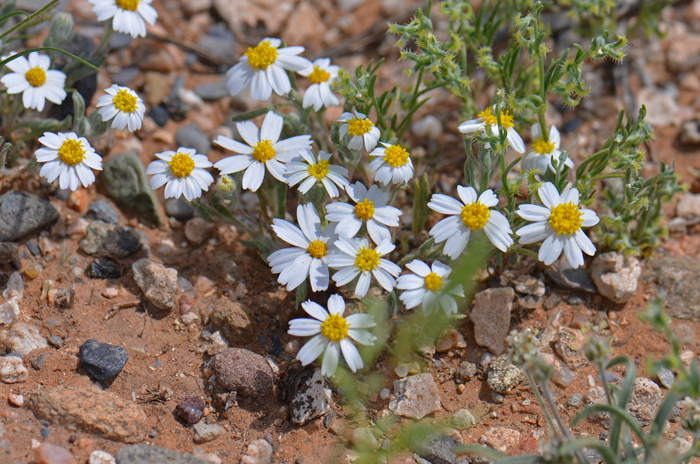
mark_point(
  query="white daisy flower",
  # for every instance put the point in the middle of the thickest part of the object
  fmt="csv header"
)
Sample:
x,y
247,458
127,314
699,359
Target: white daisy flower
x,y
183,171
34,80
308,257
392,163
263,151
311,170
426,286
69,158
559,224
331,333
263,68
123,106
356,257
471,214
486,118
371,207
543,153
321,73
360,131
129,16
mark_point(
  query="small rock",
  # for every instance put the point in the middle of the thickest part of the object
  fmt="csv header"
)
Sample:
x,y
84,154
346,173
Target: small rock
x,y
429,126
212,91
15,286
103,211
145,454
661,106
204,433
190,318
676,277
157,282
465,371
8,252
9,311
179,208
500,438
311,400
690,133
127,184
191,136
684,334
450,340
401,370
491,317
33,270
234,320
684,55
63,299
159,114
13,370
646,398
416,396
463,419
55,341
218,343
103,268
190,98
572,279
33,247
562,376
48,453
111,240
570,347
258,452
596,395
615,276
101,457
688,206
22,213
437,449
529,285
16,400
101,360
575,400
666,377
687,357
190,409
504,376
362,437
125,75
150,55
384,394
77,228
91,410
198,230
24,339
244,372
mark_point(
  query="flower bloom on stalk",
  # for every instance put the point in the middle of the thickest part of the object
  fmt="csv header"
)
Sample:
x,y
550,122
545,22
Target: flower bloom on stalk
x,y
123,106
263,68
543,153
129,16
359,130
466,216
311,170
559,224
34,80
371,207
309,255
392,163
264,150
357,257
427,285
331,334
319,94
69,158
182,172
486,118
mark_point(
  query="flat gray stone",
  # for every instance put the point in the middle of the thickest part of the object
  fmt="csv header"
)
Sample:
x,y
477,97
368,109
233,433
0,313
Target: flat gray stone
x,y
491,317
416,396
22,213
144,454
191,136
127,184
676,279
573,279
110,240
204,433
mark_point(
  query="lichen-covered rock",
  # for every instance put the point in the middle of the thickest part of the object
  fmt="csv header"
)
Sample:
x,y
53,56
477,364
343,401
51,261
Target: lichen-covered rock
x,y
504,376
311,400
646,398
570,347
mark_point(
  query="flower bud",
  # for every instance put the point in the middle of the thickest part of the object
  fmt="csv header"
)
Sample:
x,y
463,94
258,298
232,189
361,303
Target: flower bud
x,y
61,30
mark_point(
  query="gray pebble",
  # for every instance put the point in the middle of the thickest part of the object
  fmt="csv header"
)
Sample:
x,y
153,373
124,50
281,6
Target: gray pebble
x,y
575,399
191,136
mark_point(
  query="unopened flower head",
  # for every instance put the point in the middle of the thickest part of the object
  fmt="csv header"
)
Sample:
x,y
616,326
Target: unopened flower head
x,y
430,287
357,258
34,80
370,208
559,223
182,172
310,170
467,216
392,164
123,107
309,255
264,151
263,68
128,16
487,118
544,152
69,158
332,334
321,74
359,130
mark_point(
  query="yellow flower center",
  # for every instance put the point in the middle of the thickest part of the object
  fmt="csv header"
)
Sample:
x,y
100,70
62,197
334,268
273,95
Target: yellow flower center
x,y
131,5
367,259
36,76
71,152
319,75
358,126
181,164
319,170
506,118
262,56
335,328
475,215
317,249
364,209
124,101
263,151
542,147
433,282
566,218
396,156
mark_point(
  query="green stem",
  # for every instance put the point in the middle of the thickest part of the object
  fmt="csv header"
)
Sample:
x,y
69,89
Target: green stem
x,y
543,406
26,21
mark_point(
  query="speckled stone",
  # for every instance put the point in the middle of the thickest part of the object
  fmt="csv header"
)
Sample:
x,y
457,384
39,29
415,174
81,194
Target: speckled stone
x,y
504,376
244,372
101,360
